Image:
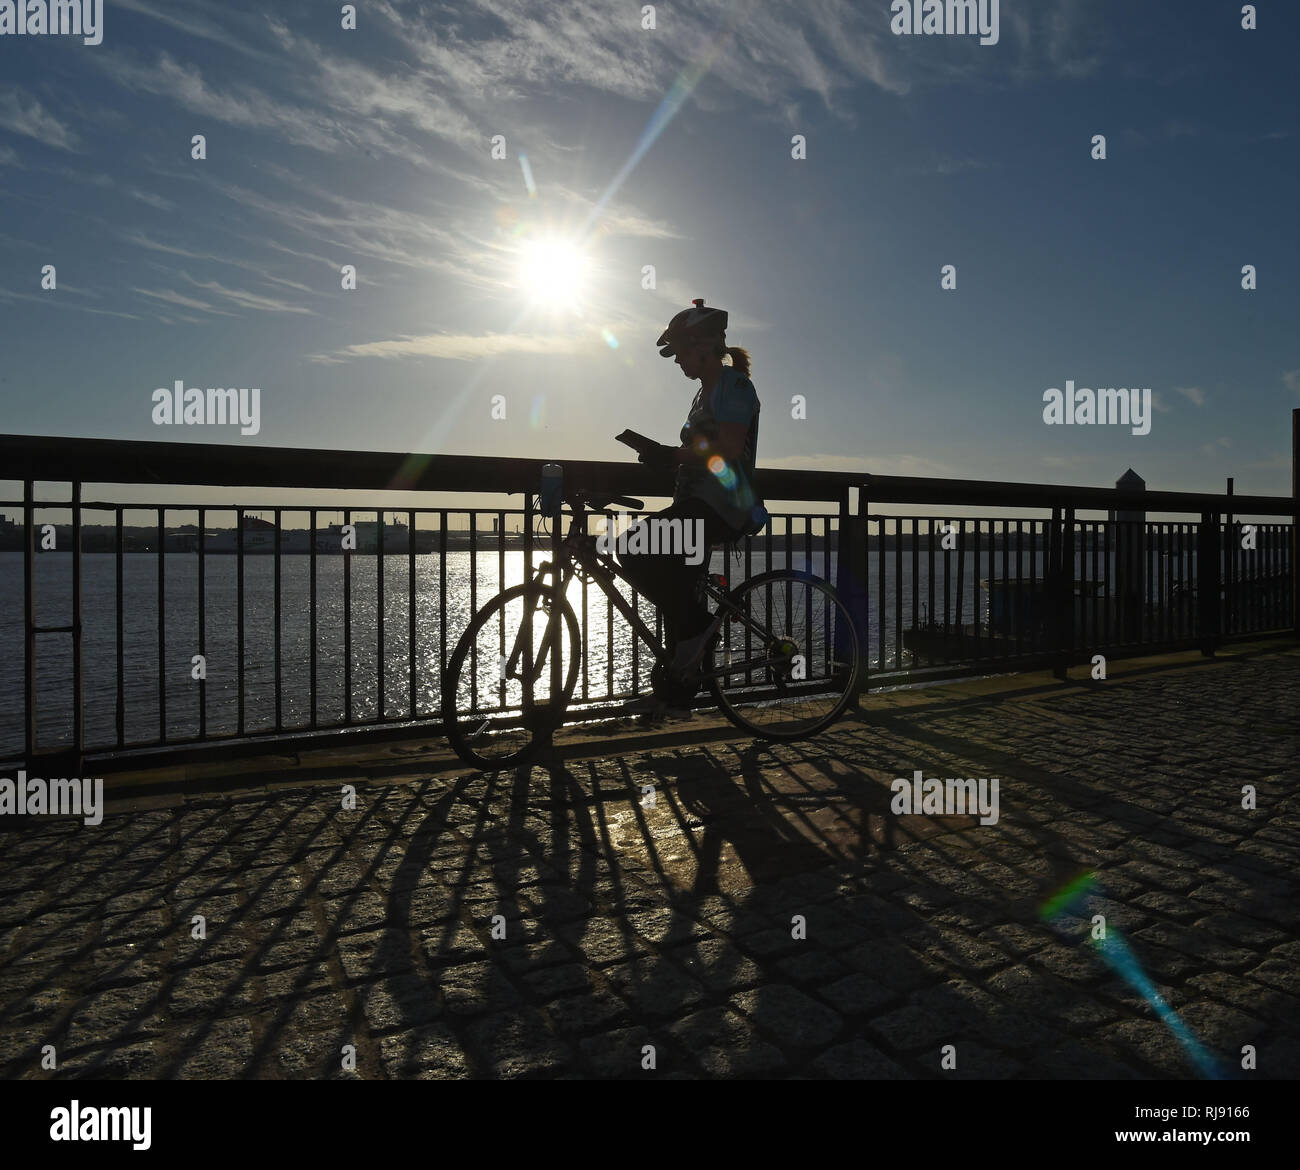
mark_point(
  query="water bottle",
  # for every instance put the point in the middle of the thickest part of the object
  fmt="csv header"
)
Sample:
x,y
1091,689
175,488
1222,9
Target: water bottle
x,y
552,489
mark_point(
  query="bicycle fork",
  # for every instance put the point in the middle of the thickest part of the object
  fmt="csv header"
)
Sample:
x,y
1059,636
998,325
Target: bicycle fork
x,y
523,645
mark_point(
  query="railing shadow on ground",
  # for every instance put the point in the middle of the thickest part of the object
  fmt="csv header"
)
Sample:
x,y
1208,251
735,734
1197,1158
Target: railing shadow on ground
x,y
739,841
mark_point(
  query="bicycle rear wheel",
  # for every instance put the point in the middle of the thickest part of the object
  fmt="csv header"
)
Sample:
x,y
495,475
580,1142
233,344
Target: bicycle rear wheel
x,y
800,674
484,688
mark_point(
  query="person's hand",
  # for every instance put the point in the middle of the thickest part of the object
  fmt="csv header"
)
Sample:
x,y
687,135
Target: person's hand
x,y
658,456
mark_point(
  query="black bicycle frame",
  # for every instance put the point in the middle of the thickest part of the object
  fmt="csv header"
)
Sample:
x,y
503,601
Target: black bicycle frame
x,y
576,551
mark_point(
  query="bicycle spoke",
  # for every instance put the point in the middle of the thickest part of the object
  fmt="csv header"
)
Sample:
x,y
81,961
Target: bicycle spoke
x,y
486,706
795,680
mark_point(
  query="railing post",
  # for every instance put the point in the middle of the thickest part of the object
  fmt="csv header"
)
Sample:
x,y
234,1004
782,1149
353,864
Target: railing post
x,y
851,579
1207,584
1130,560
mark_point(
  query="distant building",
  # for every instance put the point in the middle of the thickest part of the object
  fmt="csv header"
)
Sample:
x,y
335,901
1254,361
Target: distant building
x,y
259,537
396,537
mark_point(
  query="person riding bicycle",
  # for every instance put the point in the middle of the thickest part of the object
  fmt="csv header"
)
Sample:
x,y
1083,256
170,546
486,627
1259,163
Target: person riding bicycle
x,y
715,485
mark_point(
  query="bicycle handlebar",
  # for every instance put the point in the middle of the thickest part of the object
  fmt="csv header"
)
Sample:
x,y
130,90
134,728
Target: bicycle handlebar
x,y
598,503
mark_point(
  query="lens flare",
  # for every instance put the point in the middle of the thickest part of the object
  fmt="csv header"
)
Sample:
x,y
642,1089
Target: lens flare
x,y
1072,901
528,176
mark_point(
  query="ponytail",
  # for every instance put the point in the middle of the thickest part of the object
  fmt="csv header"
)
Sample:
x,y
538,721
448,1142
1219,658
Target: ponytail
x,y
739,358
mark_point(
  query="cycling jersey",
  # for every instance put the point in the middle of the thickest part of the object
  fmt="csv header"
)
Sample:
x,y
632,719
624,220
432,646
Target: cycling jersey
x,y
728,488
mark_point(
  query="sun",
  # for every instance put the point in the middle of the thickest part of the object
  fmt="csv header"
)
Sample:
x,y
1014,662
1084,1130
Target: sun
x,y
553,272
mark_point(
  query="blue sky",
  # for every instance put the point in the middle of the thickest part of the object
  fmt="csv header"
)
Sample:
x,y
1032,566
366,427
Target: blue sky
x,y
372,147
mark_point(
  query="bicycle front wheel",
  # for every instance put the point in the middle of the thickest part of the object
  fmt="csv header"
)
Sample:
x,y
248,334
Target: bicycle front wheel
x,y
485,707
787,665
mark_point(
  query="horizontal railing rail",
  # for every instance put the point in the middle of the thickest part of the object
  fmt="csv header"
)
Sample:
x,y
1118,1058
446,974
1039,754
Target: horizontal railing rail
x,y
47,459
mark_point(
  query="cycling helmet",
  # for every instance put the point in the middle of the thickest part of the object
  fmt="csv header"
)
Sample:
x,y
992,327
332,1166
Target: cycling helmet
x,y
690,325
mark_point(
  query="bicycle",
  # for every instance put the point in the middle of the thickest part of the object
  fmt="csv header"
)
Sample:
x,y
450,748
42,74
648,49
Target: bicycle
x,y
767,677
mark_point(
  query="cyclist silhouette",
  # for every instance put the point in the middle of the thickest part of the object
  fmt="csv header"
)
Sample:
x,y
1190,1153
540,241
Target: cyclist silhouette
x,y
715,485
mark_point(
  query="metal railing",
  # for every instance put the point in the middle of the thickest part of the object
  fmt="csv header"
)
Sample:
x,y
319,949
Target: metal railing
x,y
236,627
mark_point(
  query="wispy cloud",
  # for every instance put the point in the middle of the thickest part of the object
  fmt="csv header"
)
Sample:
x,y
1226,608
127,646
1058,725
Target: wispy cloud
x,y
175,298
464,347
245,299
187,18
23,114
107,182
1194,394
143,241
1291,380
51,300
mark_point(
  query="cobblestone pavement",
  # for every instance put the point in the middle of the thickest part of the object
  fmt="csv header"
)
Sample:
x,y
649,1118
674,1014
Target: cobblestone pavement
x,y
676,924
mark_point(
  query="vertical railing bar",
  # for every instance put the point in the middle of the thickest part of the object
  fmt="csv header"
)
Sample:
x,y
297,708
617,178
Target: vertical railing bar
x,y
78,714
961,587
347,619
586,637
1093,579
473,609
442,599
945,525
1186,613
827,633
929,589
279,611
1232,606
609,646
1260,563
976,609
808,568
1068,547
1021,610
1160,580
916,582
1274,569
311,620
380,549
501,620
1185,580
203,624
29,621
749,555
1008,625
768,566
239,620
789,600
636,642
162,627
1252,571
898,592
502,701
410,612
121,647
1166,580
